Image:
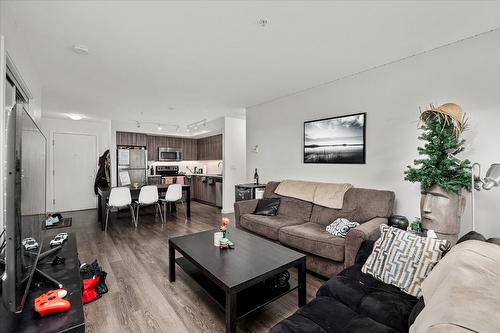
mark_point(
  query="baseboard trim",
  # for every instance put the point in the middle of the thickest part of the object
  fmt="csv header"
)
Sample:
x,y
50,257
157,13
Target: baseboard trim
x,y
206,203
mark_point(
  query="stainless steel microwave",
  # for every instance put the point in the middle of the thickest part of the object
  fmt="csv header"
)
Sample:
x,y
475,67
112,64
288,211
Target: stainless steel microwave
x,y
170,154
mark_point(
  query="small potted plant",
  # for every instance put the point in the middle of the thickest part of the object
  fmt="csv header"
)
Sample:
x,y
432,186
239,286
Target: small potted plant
x,y
224,242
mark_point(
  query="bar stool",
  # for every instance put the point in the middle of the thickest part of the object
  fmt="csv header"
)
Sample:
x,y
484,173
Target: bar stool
x,y
148,196
118,198
174,194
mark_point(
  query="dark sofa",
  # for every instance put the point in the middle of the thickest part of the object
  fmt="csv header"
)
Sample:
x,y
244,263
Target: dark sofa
x,y
353,302
301,225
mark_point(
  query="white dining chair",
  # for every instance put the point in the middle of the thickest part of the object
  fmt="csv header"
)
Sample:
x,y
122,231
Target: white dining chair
x,y
119,198
173,195
148,196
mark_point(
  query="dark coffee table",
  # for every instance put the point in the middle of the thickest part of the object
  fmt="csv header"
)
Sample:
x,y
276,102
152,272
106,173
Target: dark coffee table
x,y
233,277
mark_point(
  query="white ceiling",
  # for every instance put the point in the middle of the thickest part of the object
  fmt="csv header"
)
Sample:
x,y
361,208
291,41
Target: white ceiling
x,y
210,59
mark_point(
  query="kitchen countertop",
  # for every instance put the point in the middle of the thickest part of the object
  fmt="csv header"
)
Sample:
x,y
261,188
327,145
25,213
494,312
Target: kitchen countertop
x,y
251,185
193,174
204,175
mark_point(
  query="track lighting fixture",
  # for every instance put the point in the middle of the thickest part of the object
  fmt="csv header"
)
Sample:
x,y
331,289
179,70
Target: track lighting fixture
x,y
196,125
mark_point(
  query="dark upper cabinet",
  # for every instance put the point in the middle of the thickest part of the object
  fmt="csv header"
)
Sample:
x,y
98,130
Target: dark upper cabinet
x,y
161,142
202,149
188,146
217,147
210,148
152,149
131,139
190,149
174,142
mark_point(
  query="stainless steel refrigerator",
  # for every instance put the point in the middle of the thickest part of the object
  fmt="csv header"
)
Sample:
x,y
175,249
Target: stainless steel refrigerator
x,y
132,166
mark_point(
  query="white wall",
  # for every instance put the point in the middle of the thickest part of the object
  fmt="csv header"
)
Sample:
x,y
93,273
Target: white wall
x,y
51,125
15,47
3,83
234,159
467,73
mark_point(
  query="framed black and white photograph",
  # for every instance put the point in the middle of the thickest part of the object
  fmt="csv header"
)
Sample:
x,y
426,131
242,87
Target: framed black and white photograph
x,y
335,140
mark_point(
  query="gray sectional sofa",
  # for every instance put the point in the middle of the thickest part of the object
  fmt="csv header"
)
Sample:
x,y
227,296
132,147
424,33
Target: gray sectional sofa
x,y
301,225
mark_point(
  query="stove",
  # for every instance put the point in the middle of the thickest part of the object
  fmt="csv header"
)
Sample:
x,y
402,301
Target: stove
x,y
170,174
167,170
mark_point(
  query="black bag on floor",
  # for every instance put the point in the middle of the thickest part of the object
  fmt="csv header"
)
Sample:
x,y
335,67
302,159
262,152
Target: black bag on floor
x,y
93,281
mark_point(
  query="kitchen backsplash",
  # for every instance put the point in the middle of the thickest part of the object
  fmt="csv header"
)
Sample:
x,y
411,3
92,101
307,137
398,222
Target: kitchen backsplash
x,y
209,167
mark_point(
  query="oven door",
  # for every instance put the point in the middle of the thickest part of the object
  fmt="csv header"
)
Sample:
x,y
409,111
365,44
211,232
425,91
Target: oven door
x,y
169,154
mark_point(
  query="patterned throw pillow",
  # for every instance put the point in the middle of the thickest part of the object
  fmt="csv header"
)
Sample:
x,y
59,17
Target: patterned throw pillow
x,y
340,227
404,259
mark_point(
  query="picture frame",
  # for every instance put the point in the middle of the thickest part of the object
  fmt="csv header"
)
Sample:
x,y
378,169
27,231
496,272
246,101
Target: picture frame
x,y
335,140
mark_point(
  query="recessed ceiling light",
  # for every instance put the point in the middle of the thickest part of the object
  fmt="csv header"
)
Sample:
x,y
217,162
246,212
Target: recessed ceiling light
x,y
80,49
159,127
75,116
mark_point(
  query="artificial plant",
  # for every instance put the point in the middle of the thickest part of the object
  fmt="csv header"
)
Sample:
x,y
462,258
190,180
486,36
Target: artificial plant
x,y
441,135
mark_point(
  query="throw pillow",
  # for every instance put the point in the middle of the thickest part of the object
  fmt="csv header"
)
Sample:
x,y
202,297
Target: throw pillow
x,y
404,259
267,207
341,226
494,240
472,235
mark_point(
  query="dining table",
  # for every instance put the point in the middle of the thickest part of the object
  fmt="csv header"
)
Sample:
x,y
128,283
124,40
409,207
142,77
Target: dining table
x,y
103,196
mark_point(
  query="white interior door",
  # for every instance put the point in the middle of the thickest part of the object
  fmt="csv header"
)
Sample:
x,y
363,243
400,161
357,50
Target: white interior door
x,y
73,171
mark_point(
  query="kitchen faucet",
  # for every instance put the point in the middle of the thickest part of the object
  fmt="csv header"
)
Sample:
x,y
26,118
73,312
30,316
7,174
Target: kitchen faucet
x,y
219,166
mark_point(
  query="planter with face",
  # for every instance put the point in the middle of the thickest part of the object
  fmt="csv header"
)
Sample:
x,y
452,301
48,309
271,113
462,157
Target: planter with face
x,y
441,211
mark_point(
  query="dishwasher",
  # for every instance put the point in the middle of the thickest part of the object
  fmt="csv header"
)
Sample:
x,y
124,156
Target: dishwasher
x,y
218,192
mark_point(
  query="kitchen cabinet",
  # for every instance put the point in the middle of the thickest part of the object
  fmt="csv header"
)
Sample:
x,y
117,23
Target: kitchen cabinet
x,y
215,147
160,141
210,148
151,147
190,149
202,149
131,139
188,146
189,180
173,142
218,193
205,149
206,191
200,188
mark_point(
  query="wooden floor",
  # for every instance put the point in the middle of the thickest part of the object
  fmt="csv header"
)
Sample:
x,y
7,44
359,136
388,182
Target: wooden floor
x,y
140,298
